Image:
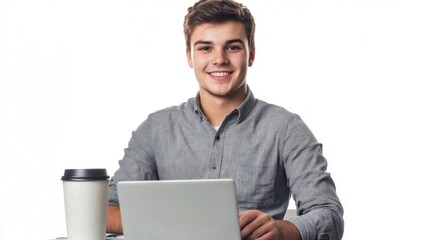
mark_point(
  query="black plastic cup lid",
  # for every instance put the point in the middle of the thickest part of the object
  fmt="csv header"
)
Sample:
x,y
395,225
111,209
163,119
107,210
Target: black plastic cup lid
x,y
85,174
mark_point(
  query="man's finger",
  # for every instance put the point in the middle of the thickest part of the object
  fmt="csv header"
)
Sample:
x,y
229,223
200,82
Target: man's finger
x,y
247,217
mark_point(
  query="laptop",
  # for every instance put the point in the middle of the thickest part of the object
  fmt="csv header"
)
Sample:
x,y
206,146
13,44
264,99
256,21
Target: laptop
x,y
179,210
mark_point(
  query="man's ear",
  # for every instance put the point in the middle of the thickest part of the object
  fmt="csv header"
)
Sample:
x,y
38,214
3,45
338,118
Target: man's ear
x,y
251,57
189,57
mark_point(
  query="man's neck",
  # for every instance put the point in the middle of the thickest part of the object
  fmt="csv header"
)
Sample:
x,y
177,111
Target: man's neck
x,y
217,108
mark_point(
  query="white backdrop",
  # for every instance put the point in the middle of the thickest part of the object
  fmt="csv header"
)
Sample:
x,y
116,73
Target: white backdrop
x,y
77,77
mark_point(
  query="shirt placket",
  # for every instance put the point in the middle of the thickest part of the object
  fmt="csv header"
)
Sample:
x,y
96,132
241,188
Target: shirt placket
x,y
216,156
216,160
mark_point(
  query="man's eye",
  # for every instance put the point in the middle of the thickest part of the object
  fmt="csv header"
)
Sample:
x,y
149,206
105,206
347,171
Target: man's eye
x,y
204,49
233,48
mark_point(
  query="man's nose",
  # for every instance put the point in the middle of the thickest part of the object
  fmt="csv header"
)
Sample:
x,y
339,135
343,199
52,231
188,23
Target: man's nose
x,y
220,57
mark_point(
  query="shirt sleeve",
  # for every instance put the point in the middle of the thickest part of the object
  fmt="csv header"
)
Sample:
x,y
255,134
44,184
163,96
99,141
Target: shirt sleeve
x,y
138,162
320,213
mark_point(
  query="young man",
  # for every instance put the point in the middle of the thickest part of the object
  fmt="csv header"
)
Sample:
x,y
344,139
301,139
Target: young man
x,y
224,132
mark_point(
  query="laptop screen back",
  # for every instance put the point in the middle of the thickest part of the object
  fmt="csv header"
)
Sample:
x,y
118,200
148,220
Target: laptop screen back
x,y
179,210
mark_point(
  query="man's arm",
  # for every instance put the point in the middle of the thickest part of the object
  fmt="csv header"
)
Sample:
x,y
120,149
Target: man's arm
x,y
138,154
114,223
288,230
320,213
255,224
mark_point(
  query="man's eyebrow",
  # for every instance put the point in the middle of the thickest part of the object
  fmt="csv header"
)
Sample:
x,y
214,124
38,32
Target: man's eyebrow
x,y
227,42
202,42
235,41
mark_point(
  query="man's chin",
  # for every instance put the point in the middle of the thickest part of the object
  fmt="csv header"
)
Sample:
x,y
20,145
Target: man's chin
x,y
222,93
218,94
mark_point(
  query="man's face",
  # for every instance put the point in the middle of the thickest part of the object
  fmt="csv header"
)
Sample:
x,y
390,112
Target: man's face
x,y
220,56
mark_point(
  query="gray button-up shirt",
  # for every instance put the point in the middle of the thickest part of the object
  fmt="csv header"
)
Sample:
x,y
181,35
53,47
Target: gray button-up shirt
x,y
269,152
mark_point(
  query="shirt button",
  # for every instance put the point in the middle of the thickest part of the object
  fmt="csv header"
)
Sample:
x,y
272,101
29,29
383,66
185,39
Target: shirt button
x,y
217,138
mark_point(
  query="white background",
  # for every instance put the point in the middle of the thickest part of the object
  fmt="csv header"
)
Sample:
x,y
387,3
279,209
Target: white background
x,y
77,77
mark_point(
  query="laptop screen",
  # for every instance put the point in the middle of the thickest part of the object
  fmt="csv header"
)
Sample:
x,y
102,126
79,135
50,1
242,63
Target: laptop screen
x,y
179,209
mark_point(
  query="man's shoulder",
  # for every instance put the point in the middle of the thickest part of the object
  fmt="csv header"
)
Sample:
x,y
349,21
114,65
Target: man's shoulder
x,y
165,111
271,110
278,118
171,111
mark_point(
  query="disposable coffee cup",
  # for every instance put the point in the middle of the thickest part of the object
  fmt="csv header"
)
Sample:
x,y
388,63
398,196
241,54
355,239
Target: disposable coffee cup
x,y
85,201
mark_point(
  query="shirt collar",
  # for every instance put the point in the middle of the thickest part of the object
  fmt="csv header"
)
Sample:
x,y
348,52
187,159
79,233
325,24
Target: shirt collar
x,y
197,105
243,109
246,106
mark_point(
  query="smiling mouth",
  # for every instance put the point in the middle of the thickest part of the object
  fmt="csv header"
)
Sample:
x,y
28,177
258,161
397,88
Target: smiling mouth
x,y
220,74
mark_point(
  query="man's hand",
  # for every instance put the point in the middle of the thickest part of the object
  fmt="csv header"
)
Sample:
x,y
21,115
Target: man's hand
x,y
114,223
257,225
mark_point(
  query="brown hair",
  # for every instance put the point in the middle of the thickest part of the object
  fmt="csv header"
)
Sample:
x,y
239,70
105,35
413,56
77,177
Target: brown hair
x,y
218,11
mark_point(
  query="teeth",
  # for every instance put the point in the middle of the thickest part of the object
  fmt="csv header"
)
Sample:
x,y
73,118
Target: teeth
x,y
219,74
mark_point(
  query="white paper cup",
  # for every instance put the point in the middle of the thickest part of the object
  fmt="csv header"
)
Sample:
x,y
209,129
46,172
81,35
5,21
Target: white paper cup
x,y
85,201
